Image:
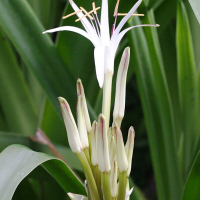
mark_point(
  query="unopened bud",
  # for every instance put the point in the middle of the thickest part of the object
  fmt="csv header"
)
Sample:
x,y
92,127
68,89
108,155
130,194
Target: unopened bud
x,y
93,135
120,149
80,91
72,131
102,146
81,123
129,148
120,93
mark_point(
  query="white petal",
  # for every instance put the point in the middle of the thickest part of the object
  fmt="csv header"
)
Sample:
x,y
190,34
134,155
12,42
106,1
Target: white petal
x,y
99,53
124,20
128,193
70,28
115,42
105,32
86,23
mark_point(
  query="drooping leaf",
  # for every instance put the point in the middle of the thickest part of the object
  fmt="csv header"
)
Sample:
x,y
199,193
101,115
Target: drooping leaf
x,y
16,162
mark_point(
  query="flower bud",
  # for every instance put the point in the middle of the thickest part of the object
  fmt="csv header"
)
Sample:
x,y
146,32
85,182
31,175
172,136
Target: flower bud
x,y
129,148
80,91
72,131
120,150
102,146
93,135
120,93
81,123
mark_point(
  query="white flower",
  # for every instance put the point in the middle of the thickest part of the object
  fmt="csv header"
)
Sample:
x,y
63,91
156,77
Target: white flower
x,y
99,34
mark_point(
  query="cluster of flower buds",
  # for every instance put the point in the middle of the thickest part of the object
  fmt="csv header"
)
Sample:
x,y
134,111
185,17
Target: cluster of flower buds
x,y
105,159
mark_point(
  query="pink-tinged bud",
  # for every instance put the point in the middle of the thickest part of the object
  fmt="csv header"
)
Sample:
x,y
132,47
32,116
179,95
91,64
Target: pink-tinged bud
x,y
120,94
76,196
102,146
129,148
80,91
81,123
72,131
113,179
120,149
93,135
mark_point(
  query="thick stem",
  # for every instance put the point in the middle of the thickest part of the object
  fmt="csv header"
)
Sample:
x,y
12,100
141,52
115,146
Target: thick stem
x,y
107,86
89,176
106,186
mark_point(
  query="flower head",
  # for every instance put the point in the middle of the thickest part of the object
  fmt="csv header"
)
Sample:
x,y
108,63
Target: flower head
x,y
99,34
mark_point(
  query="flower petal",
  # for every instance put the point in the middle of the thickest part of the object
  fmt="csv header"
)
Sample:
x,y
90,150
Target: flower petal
x,y
99,53
105,32
87,25
70,28
115,42
125,19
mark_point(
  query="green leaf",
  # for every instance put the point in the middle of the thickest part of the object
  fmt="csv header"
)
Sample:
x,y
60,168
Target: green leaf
x,y
157,108
187,85
37,50
193,182
195,4
17,107
16,162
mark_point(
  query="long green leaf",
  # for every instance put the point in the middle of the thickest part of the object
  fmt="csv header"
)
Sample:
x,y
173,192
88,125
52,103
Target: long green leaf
x,y
17,107
38,52
16,162
187,84
157,109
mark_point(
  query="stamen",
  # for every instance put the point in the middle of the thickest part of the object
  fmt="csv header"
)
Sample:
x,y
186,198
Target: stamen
x,y
93,5
116,8
88,14
72,14
123,14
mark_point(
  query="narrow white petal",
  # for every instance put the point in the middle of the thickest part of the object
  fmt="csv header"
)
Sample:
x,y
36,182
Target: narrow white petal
x,y
70,28
99,53
115,42
105,32
124,20
86,23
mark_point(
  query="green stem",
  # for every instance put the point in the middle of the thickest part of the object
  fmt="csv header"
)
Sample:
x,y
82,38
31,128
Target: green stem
x,y
107,86
106,186
89,176
122,185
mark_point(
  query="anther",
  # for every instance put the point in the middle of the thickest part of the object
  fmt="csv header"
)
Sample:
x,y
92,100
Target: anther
x,y
72,14
88,14
116,8
93,5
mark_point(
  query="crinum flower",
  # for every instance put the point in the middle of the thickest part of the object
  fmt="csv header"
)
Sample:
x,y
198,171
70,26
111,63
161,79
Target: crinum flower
x,y
98,33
